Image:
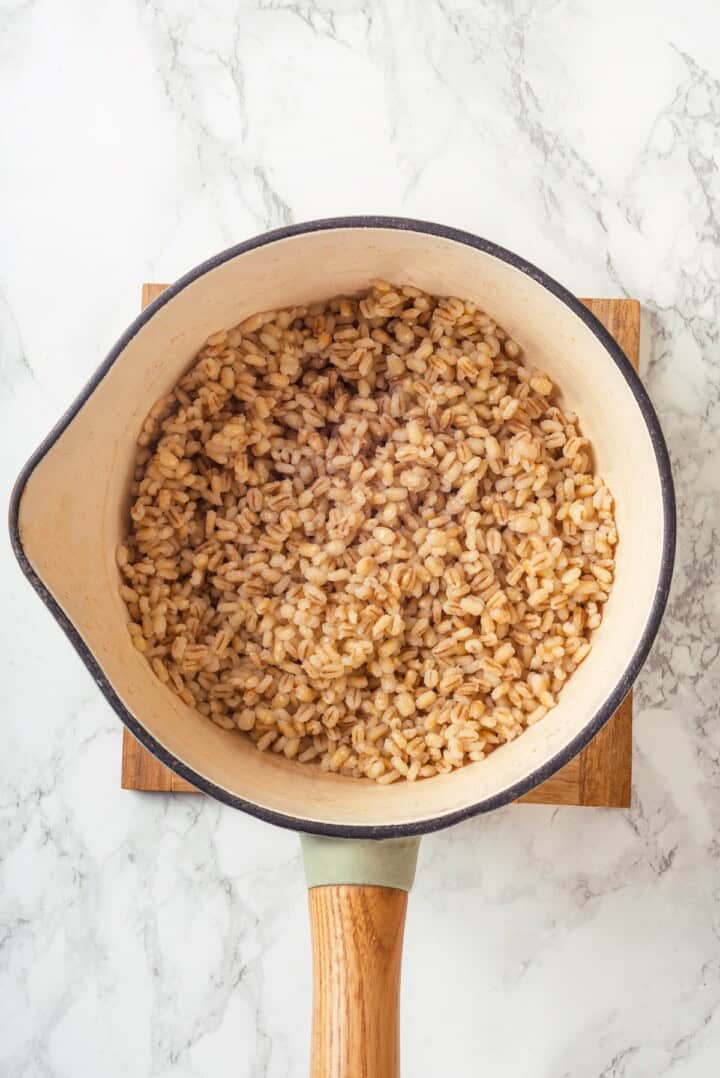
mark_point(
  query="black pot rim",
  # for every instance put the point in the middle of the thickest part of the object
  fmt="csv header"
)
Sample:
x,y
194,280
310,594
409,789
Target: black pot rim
x,y
614,697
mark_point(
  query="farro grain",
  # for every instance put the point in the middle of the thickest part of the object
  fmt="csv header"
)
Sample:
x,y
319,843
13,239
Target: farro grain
x,y
366,535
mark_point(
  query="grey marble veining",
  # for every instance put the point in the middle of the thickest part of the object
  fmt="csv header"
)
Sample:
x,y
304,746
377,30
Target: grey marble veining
x,y
151,935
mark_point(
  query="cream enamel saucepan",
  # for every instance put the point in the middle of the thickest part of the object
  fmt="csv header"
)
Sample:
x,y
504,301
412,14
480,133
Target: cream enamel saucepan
x,y
359,839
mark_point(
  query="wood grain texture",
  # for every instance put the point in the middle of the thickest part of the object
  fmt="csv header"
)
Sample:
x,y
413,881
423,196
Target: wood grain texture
x,y
606,763
600,776
142,771
357,937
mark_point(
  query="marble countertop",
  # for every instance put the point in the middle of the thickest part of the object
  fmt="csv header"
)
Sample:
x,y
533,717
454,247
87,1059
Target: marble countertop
x,y
154,935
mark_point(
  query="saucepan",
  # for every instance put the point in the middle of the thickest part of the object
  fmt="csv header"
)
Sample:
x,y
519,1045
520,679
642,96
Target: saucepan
x,y
359,839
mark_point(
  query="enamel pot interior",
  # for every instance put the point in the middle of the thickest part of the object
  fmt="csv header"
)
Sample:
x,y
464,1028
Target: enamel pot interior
x,y
72,500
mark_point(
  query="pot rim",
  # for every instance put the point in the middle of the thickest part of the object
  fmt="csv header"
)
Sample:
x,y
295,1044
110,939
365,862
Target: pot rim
x,y
613,698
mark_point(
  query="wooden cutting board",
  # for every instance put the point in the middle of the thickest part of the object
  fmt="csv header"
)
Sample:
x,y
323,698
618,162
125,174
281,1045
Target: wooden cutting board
x,y
600,776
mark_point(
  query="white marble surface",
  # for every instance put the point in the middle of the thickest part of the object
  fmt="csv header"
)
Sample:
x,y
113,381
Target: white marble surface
x,y
152,935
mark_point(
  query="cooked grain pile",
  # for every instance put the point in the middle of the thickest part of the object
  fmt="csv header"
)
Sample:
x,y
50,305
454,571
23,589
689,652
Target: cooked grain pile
x,y
363,533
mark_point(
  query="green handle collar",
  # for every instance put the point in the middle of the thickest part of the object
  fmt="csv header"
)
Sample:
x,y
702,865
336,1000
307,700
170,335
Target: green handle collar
x,y
383,863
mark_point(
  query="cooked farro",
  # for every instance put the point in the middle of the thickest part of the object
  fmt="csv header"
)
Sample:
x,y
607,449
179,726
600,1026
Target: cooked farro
x,y
364,533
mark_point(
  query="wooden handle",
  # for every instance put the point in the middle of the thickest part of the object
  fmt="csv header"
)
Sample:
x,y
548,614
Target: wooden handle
x,y
357,937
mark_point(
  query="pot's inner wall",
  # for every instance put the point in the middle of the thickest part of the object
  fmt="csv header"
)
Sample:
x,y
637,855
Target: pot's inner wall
x,y
74,507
